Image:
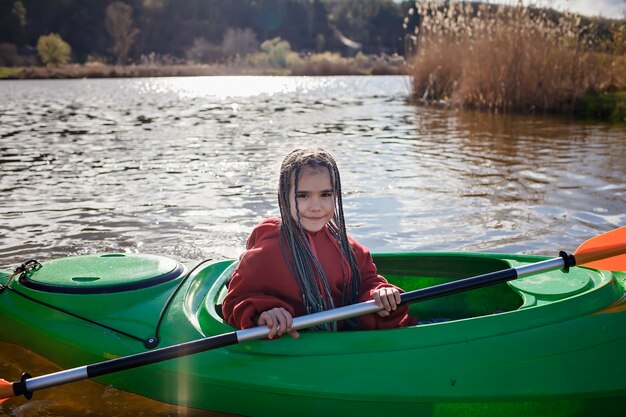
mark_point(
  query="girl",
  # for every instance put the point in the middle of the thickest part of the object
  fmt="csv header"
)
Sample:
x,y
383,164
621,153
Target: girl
x,y
304,262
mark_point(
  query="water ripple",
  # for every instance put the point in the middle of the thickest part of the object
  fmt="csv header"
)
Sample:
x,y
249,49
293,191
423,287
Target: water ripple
x,y
186,166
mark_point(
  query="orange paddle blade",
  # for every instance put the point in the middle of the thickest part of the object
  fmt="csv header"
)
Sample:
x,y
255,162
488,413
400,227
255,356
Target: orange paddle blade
x,y
606,251
6,390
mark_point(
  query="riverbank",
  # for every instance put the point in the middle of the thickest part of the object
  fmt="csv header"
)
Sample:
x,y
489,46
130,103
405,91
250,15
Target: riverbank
x,y
603,106
318,64
128,71
609,106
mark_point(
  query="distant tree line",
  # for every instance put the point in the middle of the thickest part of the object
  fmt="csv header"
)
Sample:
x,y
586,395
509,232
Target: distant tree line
x,y
123,31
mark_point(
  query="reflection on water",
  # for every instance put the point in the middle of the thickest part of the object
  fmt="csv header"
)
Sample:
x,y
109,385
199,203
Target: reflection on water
x,y
76,399
186,166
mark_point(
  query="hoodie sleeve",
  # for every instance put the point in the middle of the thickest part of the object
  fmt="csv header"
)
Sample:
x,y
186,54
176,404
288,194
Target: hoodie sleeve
x,y
260,281
370,282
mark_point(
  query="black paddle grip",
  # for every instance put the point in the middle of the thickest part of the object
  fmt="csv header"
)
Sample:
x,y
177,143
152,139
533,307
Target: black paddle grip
x,y
461,285
162,354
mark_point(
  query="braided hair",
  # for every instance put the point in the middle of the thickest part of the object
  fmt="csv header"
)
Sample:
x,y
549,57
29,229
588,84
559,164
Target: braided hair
x,y
294,242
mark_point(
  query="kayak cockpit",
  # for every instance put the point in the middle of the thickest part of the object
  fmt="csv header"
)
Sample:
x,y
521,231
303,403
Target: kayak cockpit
x,y
426,270
411,271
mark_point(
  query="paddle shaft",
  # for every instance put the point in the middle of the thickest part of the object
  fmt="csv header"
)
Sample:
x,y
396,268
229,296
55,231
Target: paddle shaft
x,y
28,385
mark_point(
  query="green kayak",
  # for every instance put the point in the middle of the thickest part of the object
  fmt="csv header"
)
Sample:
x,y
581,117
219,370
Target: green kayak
x,y
549,344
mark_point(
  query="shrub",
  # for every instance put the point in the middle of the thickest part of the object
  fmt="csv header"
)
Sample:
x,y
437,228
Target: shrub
x,y
278,51
96,60
8,55
326,63
257,60
53,50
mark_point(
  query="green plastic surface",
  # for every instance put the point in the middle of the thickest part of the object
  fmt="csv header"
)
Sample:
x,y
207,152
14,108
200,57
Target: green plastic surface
x,y
109,272
548,347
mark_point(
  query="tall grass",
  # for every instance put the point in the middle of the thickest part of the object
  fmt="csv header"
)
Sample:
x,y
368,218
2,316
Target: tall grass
x,y
510,57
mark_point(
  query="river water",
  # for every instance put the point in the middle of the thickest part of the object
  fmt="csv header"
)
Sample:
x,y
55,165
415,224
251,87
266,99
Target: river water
x,y
185,167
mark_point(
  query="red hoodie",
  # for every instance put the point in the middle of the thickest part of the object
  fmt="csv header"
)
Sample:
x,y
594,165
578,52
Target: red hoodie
x,y
263,280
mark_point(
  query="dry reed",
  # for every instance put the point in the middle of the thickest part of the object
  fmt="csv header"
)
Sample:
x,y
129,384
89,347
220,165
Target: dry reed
x,y
508,57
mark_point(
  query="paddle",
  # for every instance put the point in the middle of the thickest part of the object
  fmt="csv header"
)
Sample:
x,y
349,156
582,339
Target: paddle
x,y
607,251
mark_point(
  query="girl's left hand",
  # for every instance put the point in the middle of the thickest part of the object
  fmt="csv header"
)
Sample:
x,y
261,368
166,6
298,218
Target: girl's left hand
x,y
388,298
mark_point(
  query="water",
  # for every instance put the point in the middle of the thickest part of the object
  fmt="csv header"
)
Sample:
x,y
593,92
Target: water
x,y
185,167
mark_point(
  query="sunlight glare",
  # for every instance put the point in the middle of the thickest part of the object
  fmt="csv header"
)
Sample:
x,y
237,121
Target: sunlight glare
x,y
241,86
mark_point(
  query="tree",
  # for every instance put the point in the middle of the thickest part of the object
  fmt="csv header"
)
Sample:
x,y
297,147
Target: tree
x,y
8,55
125,29
20,12
52,49
239,42
203,51
119,24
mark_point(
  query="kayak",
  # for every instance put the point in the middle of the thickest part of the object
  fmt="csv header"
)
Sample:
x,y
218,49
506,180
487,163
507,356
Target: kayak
x,y
550,344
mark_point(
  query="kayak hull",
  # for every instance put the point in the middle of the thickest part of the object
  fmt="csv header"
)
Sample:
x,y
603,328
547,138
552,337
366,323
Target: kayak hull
x,y
547,345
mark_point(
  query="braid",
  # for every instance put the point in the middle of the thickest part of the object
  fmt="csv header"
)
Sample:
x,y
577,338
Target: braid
x,y
294,242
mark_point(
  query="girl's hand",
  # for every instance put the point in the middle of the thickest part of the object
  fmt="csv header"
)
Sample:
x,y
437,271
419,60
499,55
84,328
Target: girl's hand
x,y
388,298
279,322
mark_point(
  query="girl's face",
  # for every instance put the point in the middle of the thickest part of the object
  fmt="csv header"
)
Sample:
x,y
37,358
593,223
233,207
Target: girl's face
x,y
316,198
